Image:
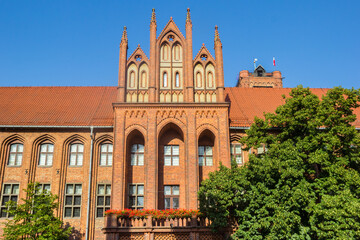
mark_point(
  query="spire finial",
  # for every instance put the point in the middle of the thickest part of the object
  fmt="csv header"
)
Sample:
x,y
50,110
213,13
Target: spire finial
x,y
124,35
217,36
171,18
188,17
153,16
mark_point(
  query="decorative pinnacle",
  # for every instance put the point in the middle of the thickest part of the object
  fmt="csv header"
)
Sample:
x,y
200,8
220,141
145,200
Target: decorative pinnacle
x,y
217,36
153,16
170,18
124,35
188,17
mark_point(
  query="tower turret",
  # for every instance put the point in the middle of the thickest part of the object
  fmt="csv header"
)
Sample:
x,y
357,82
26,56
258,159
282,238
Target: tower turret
x,y
189,56
219,67
122,67
152,79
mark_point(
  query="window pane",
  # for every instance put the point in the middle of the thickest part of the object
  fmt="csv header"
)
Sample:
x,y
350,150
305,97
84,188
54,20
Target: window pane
x,y
167,150
141,159
209,161
134,148
201,161
68,200
73,148
201,150
70,189
47,187
140,201
76,212
167,203
140,189
42,159
14,198
50,148
238,149
167,190
18,159
101,189
7,189
232,146
15,189
80,148
140,148
72,159
43,148
133,159
78,189
176,190
108,189
132,189
260,150
167,161
175,203
68,212
20,148
49,160
238,160
13,148
102,159
107,201
12,159
100,201
209,151
5,200
99,212
77,200
110,149
132,201
109,159
80,159
103,148
175,161
175,150
3,212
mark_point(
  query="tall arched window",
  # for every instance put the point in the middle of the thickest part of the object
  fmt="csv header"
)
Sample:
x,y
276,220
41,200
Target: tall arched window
x,y
46,154
198,80
137,155
210,80
132,79
143,79
165,80
15,155
177,80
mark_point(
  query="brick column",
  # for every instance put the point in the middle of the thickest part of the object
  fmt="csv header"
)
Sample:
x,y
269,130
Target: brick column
x,y
192,172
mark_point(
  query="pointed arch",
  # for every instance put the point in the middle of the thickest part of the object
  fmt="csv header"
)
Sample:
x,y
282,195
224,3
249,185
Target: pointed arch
x,y
177,52
199,76
132,73
143,76
165,52
210,76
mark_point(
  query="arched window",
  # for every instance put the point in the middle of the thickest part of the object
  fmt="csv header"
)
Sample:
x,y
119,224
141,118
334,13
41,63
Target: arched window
x,y
106,151
132,79
137,155
210,80
177,52
76,154
143,79
15,155
165,52
177,80
165,80
198,80
46,154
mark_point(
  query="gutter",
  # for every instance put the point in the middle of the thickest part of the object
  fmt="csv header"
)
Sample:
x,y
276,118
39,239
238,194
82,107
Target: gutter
x,y
51,126
90,176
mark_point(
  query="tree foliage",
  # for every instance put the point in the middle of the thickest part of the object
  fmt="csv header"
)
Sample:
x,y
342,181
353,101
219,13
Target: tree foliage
x,y
34,218
307,185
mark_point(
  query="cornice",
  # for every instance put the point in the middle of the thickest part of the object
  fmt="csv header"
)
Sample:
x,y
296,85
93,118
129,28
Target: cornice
x,y
171,105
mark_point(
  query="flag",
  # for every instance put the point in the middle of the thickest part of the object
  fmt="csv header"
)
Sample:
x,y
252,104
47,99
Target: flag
x,y
274,61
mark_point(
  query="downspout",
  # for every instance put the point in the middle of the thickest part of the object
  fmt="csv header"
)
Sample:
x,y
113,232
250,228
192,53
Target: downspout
x,y
90,177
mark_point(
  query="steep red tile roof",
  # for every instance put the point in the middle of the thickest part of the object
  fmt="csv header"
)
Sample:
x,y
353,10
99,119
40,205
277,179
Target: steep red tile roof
x,y
246,103
92,106
62,106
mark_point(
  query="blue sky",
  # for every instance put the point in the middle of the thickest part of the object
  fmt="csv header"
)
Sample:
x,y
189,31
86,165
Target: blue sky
x,y
75,43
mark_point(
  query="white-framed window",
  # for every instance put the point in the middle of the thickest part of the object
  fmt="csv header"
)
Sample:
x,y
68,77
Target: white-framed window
x,y
72,206
46,154
10,192
76,154
171,196
165,79
177,80
106,154
236,152
137,155
15,154
171,155
136,196
205,155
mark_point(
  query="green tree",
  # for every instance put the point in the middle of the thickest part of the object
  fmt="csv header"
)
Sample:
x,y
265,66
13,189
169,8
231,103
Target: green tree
x,y
34,218
307,185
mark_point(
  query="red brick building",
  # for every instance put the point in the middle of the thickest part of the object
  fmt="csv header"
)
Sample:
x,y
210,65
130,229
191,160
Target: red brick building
x,y
146,143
